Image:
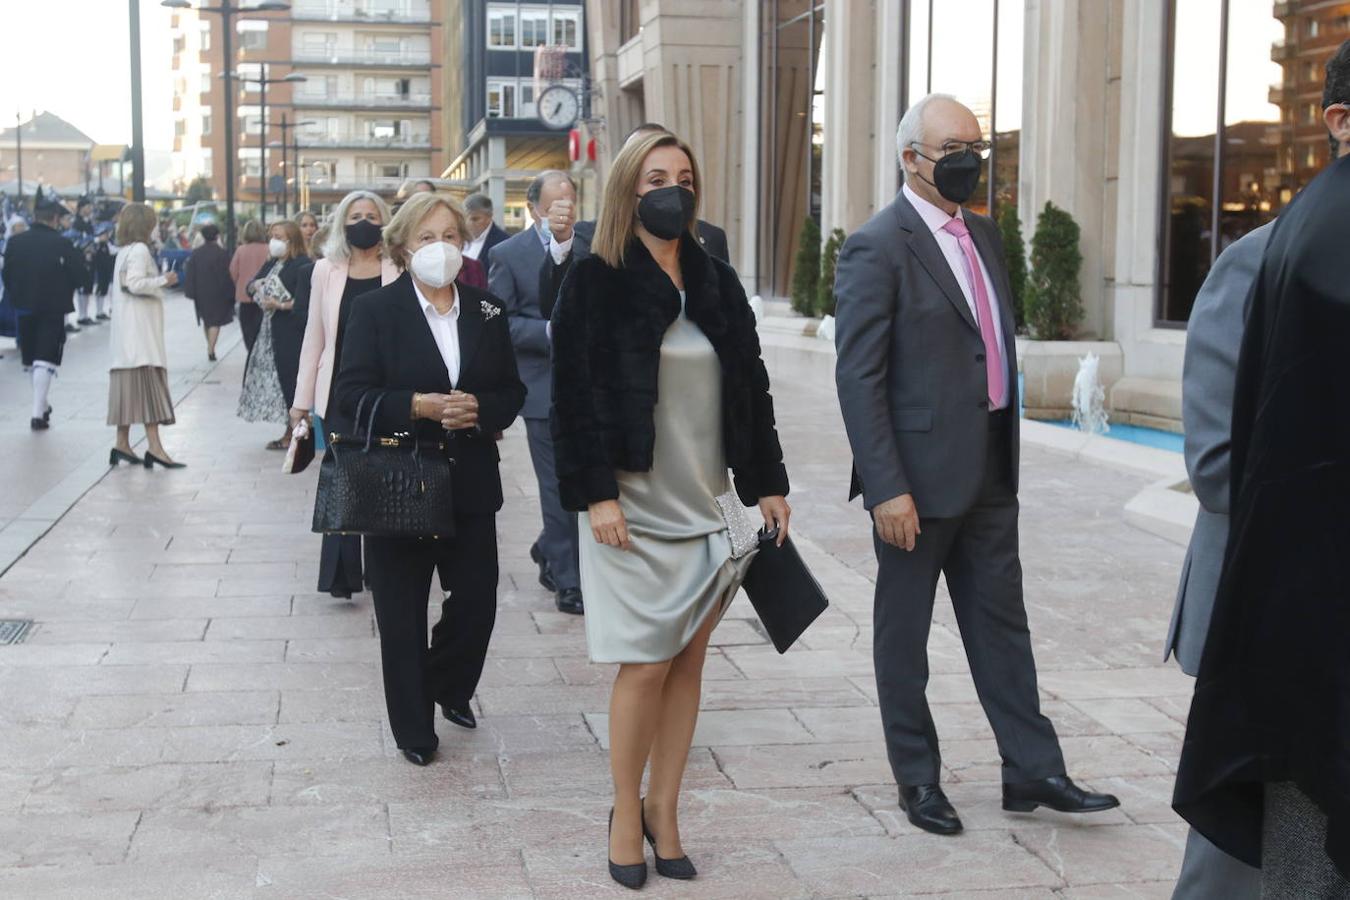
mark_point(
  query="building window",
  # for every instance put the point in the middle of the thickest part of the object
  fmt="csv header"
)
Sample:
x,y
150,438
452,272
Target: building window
x,y
567,29
501,99
206,83
179,128
206,125
502,28
253,34
533,28
204,36
1235,151
527,107
179,43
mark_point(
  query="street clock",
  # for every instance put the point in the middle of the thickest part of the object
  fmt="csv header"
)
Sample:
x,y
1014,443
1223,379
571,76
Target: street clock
x,y
558,107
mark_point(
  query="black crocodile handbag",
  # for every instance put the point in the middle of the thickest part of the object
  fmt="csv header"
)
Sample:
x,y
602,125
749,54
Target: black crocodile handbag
x,y
384,486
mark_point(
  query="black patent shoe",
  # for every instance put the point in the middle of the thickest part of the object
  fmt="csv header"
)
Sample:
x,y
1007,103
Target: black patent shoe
x,y
1058,793
38,424
681,868
117,456
927,807
151,460
569,601
462,717
631,877
545,570
419,757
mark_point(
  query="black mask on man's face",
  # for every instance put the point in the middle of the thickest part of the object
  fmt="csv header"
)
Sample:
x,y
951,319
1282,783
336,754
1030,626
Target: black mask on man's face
x,y
364,234
956,174
666,212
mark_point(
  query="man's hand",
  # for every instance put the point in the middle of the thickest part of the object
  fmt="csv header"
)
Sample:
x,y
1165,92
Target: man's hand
x,y
897,521
608,524
561,217
459,412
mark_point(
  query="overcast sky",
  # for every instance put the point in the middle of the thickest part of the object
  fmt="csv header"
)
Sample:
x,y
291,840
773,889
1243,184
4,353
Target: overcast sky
x,y
72,58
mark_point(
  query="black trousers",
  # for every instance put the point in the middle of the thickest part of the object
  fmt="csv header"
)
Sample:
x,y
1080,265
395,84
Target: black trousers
x,y
417,676
977,553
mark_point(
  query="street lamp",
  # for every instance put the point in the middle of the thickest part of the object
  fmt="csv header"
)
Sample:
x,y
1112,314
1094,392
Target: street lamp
x,y
262,81
283,144
226,10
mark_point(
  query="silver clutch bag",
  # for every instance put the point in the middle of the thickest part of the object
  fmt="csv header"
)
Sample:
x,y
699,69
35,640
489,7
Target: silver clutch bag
x,y
741,527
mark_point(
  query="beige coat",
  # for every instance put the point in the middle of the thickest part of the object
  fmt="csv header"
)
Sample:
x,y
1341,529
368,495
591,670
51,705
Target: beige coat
x,y
321,329
137,310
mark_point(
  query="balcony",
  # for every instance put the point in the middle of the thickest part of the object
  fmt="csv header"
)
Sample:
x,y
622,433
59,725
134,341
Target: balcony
x,y
1281,51
359,141
1279,95
345,184
363,101
1282,10
350,56
359,14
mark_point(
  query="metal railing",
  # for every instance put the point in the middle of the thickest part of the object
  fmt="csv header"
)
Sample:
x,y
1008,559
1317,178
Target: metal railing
x,y
330,11
348,183
351,56
393,101
395,142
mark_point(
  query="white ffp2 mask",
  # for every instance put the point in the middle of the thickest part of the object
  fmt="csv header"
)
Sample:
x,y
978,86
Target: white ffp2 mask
x,y
437,264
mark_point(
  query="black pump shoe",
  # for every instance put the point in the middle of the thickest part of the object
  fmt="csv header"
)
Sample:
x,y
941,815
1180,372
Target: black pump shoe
x,y
418,757
117,456
631,877
1058,793
927,807
462,717
151,460
681,868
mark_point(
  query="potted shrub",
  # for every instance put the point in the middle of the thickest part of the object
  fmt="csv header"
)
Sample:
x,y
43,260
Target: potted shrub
x,y
806,269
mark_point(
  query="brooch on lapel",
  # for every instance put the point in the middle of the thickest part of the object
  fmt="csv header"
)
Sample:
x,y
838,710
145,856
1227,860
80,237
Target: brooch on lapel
x,y
490,311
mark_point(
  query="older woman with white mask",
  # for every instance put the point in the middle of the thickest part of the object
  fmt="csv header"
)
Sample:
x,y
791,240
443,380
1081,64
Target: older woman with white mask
x,y
354,263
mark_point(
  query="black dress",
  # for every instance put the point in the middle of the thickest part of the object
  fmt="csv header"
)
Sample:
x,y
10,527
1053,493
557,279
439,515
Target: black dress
x,y
340,559
288,325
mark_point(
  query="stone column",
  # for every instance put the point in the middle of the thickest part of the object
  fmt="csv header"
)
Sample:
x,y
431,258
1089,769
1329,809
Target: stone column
x,y
852,154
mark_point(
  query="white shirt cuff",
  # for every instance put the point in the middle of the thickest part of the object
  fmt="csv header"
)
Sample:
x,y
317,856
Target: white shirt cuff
x,y
559,251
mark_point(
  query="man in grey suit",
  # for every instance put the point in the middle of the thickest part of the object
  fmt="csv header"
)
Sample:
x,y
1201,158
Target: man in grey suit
x,y
927,381
513,277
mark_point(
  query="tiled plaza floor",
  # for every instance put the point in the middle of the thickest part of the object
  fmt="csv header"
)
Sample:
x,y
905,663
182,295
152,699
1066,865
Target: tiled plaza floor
x,y
189,719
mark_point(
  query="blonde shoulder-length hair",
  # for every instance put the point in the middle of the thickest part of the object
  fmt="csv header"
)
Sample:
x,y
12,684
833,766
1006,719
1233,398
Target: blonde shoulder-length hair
x,y
402,227
135,224
615,227
336,248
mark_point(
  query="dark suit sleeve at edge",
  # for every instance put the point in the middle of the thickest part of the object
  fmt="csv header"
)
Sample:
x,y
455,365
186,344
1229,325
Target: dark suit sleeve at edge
x,y
865,287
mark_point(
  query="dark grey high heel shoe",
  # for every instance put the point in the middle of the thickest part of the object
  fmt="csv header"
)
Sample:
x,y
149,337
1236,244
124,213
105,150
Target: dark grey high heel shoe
x,y
631,877
680,868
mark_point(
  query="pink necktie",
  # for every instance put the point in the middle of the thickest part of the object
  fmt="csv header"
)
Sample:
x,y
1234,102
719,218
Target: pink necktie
x,y
993,363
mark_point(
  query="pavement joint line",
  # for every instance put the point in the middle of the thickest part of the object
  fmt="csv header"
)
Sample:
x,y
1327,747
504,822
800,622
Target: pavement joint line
x,y
54,497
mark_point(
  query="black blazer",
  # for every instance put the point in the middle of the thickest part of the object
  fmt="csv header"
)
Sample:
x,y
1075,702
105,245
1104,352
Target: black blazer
x,y
388,347
42,270
607,334
551,274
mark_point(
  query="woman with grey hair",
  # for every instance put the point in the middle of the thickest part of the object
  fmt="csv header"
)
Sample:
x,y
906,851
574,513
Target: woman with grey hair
x,y
354,262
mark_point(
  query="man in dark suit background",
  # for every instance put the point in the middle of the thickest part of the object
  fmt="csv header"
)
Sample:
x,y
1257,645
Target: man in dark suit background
x,y
485,232
927,383
572,239
513,278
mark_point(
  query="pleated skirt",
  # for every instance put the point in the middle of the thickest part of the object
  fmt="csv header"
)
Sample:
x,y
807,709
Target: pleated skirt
x,y
139,396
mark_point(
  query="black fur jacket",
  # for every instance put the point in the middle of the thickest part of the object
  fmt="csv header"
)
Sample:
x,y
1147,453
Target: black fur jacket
x,y
608,326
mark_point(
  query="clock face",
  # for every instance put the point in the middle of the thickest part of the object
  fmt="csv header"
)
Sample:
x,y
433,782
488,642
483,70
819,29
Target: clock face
x,y
558,107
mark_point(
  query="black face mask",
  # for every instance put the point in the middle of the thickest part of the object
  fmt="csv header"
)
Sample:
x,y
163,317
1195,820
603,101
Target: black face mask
x,y
666,212
364,234
956,175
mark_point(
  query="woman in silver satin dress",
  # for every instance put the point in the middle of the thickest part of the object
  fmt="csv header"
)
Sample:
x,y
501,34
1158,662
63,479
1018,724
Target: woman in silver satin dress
x,y
659,388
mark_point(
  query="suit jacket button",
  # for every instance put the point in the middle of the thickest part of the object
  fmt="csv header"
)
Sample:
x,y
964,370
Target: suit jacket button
x,y
979,357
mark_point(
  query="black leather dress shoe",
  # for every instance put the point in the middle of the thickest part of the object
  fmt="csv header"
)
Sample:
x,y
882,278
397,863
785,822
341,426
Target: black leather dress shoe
x,y
38,424
927,807
1057,793
418,757
545,570
569,601
461,717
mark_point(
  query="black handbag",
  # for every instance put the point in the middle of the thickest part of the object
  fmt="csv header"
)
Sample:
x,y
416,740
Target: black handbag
x,y
384,486
786,596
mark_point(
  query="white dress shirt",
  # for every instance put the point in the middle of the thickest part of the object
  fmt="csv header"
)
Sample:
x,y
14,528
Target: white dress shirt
x,y
445,331
474,248
559,251
936,219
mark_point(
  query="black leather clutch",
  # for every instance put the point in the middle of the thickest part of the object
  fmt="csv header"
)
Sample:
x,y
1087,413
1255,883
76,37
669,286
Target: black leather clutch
x,y
786,596
384,486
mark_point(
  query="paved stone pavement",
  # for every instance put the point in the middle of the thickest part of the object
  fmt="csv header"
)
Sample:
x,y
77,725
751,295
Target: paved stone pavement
x,y
189,719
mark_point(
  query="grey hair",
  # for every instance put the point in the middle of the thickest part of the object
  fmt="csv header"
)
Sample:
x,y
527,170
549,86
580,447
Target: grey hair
x,y
336,247
478,203
911,129
537,186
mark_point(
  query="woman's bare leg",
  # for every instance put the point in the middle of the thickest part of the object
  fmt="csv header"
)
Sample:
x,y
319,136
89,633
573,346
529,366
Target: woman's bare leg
x,y
152,438
634,714
212,334
675,732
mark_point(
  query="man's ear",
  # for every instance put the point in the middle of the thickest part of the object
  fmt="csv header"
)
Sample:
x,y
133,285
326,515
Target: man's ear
x,y
1337,119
